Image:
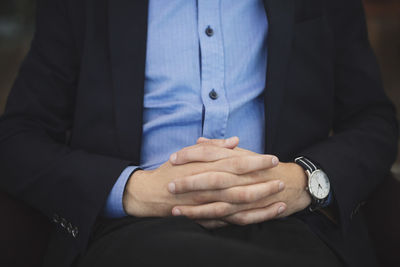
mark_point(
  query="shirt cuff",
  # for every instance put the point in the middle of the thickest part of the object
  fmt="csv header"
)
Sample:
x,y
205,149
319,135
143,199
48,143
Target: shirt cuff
x,y
114,207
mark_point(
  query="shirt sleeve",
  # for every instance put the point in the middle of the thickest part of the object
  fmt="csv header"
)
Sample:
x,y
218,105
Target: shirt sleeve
x,y
114,207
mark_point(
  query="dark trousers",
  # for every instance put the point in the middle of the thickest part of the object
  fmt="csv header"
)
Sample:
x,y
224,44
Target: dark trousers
x,y
178,241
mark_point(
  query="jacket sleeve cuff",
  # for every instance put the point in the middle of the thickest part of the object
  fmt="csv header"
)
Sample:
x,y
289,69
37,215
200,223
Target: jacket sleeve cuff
x,y
114,207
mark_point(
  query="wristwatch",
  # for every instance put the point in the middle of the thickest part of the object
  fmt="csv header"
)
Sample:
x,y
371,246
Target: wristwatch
x,y
318,184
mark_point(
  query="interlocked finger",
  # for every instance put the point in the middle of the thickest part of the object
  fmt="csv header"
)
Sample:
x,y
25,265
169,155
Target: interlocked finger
x,y
213,210
221,210
202,140
246,164
212,181
240,194
246,217
231,142
211,150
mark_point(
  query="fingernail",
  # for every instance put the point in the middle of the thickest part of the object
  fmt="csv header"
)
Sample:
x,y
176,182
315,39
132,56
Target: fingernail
x,y
281,209
171,187
275,161
176,212
231,140
173,157
281,186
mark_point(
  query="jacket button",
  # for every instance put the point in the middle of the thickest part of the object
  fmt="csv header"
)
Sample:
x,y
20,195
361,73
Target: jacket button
x,y
69,228
56,218
63,223
75,232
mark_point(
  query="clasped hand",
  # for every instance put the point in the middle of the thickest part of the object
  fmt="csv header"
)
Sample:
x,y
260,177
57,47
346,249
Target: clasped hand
x,y
215,183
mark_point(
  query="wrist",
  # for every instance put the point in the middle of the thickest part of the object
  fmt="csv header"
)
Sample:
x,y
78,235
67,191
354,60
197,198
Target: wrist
x,y
301,176
305,198
129,200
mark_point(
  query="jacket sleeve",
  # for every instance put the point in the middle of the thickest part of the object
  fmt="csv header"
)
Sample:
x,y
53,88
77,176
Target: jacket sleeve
x,y
359,154
69,186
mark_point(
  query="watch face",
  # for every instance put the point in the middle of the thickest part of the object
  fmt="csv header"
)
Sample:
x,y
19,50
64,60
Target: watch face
x,y
318,184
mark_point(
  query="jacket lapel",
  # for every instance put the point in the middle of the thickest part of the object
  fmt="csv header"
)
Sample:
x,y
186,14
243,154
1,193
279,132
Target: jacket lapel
x,y
127,22
280,15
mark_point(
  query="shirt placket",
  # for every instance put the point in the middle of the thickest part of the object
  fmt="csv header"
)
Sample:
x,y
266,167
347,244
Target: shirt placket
x,y
216,108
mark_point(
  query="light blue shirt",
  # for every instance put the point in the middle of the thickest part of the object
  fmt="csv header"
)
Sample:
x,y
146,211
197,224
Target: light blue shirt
x,y
184,64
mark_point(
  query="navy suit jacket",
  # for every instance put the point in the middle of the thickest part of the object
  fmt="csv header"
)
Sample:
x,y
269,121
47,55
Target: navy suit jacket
x,y
73,120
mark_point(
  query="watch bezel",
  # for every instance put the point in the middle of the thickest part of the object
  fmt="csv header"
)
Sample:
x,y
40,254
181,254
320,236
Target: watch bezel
x,y
311,177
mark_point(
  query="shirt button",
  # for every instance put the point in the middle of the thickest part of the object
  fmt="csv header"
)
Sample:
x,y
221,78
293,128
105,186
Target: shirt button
x,y
213,95
209,31
56,218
